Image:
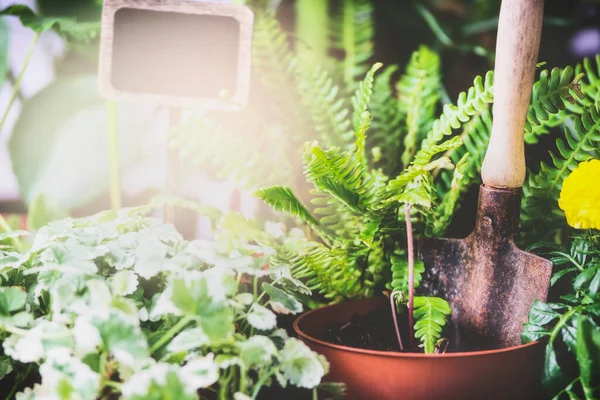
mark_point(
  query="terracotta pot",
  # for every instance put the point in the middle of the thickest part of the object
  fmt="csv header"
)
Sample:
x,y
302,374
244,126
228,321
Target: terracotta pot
x,y
510,373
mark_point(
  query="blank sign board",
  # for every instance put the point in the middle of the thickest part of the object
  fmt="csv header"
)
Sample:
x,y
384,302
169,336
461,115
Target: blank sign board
x,y
176,53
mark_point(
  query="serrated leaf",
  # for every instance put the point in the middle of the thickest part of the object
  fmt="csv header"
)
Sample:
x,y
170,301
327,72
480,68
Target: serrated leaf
x,y
193,298
122,338
261,318
280,301
124,283
301,366
188,340
430,314
257,351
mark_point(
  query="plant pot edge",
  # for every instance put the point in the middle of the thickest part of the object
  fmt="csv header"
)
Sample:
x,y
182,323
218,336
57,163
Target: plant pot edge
x,y
395,354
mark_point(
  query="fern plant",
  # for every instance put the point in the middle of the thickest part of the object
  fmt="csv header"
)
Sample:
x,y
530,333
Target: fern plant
x,y
352,34
355,218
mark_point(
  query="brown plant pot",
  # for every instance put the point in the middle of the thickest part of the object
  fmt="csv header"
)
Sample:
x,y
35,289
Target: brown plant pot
x,y
511,373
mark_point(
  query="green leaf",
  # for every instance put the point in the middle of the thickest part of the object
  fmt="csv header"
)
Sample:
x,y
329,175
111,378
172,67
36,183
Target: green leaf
x,y
194,298
68,378
261,318
188,340
552,372
400,273
301,366
124,283
361,99
66,27
283,199
542,313
6,366
337,390
43,210
280,301
122,338
160,382
257,351
11,300
74,117
150,257
418,95
430,314
588,353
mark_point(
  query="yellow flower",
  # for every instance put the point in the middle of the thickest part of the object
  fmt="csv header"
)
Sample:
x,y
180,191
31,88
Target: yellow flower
x,y
580,196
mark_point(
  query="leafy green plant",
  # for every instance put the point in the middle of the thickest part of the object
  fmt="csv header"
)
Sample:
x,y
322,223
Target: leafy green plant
x,y
356,222
570,323
118,303
355,207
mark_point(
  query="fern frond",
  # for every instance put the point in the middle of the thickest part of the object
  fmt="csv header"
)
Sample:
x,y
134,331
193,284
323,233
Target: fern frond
x,y
340,174
475,135
361,140
206,143
418,95
426,154
474,101
353,31
548,100
333,215
272,59
362,97
400,273
590,85
335,273
440,220
431,314
328,109
541,190
387,127
283,199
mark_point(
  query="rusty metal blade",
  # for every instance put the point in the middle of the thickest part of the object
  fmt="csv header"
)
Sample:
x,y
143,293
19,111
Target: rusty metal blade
x,y
489,282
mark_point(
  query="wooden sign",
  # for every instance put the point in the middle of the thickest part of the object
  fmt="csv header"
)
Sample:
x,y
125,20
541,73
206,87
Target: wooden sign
x,y
176,53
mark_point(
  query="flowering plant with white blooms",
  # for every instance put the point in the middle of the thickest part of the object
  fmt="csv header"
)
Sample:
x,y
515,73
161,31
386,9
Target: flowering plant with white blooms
x,y
120,306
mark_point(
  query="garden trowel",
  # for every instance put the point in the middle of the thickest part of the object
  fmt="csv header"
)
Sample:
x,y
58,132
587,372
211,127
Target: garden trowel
x,y
490,283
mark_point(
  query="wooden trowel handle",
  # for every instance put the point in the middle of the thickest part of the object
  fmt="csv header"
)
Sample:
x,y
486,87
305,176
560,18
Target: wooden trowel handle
x,y
517,47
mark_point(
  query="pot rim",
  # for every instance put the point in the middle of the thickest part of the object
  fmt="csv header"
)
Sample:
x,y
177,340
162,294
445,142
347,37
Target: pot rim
x,y
396,354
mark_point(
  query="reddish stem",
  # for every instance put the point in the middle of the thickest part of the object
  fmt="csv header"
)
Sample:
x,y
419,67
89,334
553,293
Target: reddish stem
x,y
411,274
393,306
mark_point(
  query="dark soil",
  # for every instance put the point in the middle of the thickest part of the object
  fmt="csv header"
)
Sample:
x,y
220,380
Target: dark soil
x,y
374,331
